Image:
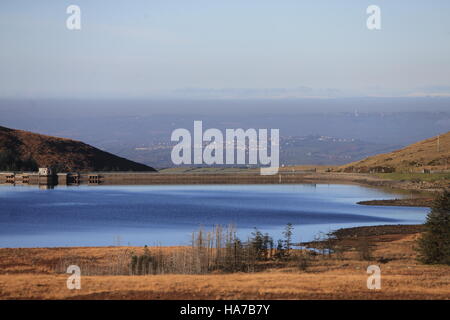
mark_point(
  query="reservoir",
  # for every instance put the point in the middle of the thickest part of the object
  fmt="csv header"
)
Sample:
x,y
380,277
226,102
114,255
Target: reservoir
x,y
139,215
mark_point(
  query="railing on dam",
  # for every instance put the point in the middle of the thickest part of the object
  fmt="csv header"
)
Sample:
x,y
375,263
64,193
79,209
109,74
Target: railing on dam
x,y
129,178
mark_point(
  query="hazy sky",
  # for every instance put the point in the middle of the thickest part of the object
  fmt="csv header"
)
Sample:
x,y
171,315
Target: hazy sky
x,y
224,48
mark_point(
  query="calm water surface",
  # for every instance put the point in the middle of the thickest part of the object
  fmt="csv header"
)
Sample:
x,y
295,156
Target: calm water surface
x,y
166,215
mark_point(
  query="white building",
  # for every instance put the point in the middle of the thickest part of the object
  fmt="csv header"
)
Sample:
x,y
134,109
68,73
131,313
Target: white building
x,y
45,171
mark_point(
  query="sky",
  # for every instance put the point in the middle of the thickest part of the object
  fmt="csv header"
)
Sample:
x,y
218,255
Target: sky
x,y
224,49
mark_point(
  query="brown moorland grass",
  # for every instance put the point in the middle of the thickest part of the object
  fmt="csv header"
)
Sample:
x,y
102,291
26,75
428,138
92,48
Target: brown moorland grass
x,y
65,154
432,153
33,274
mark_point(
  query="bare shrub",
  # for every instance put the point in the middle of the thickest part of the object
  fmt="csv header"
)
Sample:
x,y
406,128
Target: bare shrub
x,y
364,249
218,250
303,260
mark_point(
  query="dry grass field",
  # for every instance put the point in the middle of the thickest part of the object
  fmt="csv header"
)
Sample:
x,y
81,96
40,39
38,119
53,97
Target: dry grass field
x,y
38,274
432,153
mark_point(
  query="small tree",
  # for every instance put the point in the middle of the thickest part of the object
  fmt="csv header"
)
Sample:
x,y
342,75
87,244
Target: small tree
x,y
434,244
280,253
268,245
364,249
261,244
287,233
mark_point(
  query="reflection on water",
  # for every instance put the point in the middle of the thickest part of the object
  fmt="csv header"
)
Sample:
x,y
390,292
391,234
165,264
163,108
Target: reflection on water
x,y
138,215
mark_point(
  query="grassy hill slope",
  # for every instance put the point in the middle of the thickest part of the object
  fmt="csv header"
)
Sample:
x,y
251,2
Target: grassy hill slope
x,y
433,153
23,150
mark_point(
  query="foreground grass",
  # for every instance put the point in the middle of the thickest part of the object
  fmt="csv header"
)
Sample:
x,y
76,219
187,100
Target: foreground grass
x,y
33,274
340,281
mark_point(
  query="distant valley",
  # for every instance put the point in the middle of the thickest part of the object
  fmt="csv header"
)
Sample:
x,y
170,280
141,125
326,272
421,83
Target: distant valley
x,y
312,149
334,132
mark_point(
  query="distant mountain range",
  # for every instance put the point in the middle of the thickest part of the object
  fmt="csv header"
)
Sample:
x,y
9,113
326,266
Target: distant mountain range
x,y
24,151
432,154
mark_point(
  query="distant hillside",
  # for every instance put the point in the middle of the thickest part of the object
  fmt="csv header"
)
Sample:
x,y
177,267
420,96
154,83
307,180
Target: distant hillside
x,y
22,150
433,153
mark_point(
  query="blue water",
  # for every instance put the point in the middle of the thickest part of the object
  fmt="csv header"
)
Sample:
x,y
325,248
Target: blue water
x,y
166,215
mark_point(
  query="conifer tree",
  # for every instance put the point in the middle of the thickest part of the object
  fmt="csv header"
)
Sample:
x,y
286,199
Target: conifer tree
x,y
434,244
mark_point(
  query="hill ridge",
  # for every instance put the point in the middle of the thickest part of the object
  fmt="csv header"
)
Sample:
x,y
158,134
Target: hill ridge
x,y
22,150
430,154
